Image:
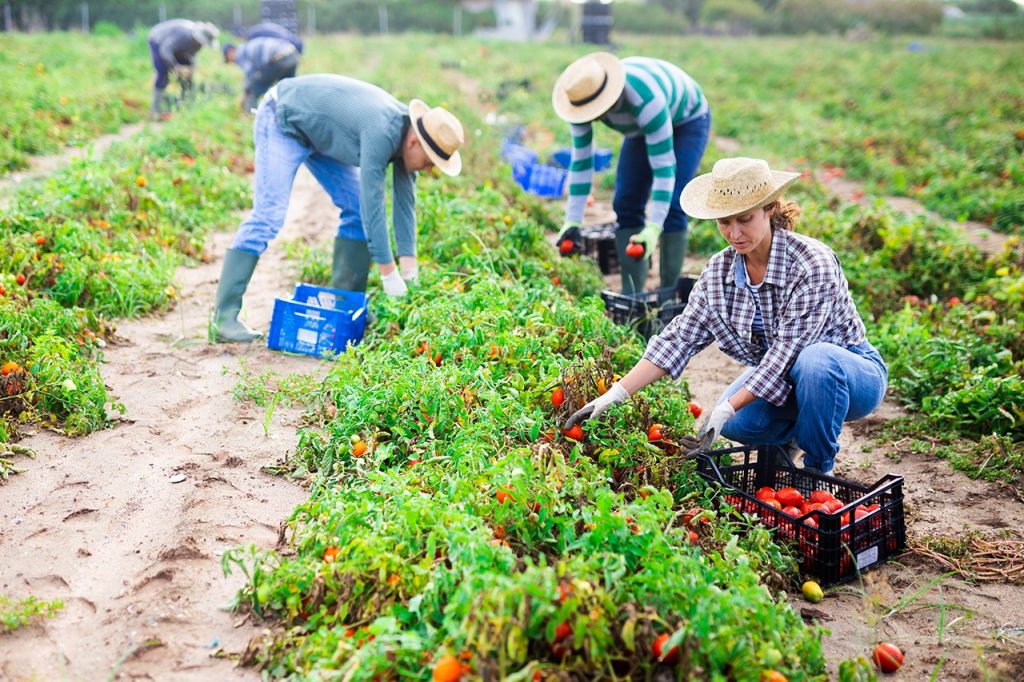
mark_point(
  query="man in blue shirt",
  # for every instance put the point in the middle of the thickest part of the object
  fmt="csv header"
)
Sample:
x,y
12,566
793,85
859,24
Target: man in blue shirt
x,y
347,133
264,61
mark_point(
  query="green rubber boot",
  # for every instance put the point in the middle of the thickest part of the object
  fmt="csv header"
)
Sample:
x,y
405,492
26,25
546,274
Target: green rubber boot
x,y
672,252
351,265
634,272
234,278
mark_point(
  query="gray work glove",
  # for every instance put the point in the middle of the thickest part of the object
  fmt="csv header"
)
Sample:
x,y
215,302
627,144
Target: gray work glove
x,y
596,407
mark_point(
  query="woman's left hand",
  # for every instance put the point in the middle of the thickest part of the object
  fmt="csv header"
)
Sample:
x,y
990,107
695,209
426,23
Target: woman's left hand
x,y
722,413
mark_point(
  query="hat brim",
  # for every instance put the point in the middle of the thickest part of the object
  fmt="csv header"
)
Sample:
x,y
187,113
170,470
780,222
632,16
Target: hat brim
x,y
451,166
593,110
694,197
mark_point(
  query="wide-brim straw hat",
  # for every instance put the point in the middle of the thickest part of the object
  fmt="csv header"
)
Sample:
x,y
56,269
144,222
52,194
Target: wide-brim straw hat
x,y
734,186
440,135
588,87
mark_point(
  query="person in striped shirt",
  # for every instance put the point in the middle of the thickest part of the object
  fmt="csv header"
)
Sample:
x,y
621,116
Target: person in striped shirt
x,y
173,45
665,119
778,302
347,133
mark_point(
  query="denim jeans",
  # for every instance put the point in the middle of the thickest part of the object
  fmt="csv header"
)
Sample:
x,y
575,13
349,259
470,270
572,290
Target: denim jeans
x,y
161,68
278,158
634,177
831,385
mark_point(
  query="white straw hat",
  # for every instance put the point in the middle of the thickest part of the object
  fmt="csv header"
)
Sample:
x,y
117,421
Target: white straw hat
x,y
440,134
734,186
588,87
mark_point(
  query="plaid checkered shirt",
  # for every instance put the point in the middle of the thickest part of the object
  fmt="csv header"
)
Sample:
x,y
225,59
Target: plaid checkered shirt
x,y
805,299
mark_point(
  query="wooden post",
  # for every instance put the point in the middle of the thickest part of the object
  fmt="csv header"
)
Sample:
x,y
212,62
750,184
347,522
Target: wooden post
x,y
383,10
163,12
311,19
85,17
8,23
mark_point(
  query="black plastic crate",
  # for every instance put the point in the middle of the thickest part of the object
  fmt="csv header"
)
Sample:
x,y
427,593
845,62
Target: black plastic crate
x,y
834,551
648,311
599,244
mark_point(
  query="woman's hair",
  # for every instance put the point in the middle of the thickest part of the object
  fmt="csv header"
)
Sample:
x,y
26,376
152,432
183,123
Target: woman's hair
x,y
785,216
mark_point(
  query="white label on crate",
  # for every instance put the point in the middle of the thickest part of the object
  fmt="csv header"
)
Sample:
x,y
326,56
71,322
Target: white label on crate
x,y
308,336
867,557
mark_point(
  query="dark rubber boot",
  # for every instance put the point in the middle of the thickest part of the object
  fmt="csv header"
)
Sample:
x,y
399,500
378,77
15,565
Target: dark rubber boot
x,y
234,279
672,249
634,272
351,266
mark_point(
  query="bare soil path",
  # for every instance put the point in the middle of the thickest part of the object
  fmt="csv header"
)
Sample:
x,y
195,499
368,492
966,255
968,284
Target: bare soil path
x,y
99,523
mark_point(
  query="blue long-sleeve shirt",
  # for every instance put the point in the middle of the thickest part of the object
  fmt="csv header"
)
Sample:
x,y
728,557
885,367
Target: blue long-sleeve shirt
x,y
255,54
357,124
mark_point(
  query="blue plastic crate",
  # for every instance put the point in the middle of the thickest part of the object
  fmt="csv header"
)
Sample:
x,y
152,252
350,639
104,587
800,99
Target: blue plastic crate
x,y
602,158
317,320
545,181
517,154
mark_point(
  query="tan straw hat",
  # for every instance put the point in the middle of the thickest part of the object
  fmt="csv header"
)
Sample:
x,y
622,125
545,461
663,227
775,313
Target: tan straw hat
x,y
734,186
588,87
440,133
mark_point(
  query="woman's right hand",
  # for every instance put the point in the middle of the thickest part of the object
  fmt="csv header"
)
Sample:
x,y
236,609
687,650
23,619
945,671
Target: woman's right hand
x,y
615,395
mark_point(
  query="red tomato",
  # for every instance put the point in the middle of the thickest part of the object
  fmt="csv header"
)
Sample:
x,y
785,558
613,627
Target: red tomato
x,y
566,246
503,496
359,448
821,496
563,631
887,657
635,251
655,433
832,506
447,669
792,511
764,493
557,397
773,503
694,538
789,497
670,656
811,522
574,433
695,408
20,279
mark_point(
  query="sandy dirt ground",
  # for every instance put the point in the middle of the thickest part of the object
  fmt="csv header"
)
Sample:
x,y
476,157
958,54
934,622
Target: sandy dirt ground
x,y
98,522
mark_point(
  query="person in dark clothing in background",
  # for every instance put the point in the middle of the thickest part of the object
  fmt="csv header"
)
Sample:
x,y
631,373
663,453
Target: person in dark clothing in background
x,y
173,44
264,61
268,29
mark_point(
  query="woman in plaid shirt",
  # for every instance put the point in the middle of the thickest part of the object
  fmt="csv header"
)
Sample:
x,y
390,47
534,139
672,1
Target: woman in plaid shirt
x,y
779,303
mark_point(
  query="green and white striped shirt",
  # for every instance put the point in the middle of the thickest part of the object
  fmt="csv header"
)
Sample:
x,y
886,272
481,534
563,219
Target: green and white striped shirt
x,y
657,97
357,124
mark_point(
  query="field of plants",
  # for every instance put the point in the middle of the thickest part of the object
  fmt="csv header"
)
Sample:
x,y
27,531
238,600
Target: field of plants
x,y
451,527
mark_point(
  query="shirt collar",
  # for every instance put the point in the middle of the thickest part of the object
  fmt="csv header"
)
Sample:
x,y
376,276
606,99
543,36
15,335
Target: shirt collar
x,y
778,259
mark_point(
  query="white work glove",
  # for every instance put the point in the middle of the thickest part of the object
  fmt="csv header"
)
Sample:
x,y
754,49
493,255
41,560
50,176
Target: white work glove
x,y
722,413
394,285
409,268
592,410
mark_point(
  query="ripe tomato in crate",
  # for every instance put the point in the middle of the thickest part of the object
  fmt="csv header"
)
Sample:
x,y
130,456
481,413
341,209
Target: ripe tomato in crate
x,y
865,528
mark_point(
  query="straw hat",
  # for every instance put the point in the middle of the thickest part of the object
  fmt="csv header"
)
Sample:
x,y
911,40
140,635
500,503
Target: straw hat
x,y
588,87
734,186
440,133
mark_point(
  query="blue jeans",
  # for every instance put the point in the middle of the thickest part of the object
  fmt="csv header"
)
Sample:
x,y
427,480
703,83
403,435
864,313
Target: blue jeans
x,y
634,177
161,68
831,385
278,158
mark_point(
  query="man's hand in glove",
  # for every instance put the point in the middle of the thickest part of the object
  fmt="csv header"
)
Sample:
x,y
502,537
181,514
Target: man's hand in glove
x,y
393,283
409,268
592,410
648,237
571,240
